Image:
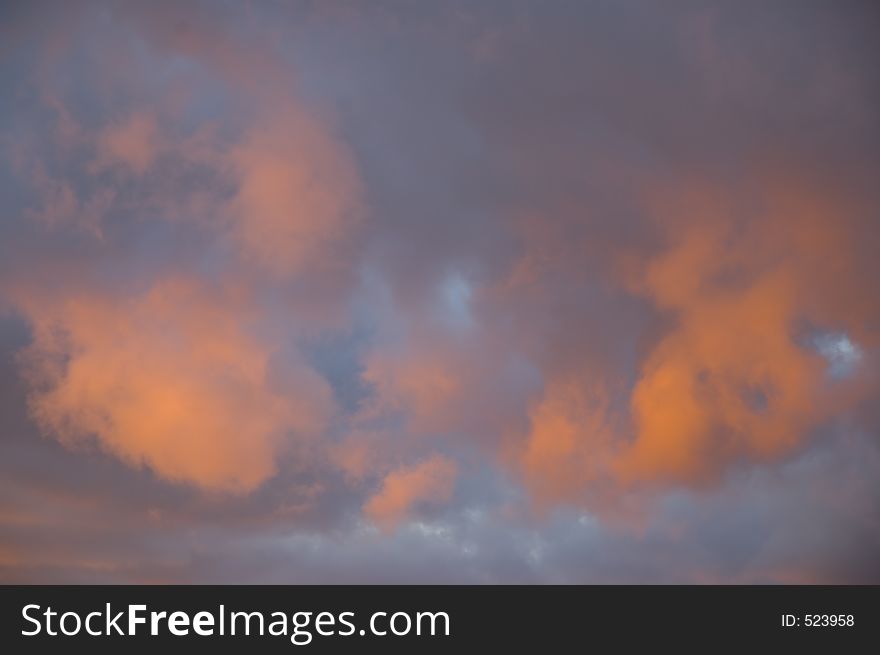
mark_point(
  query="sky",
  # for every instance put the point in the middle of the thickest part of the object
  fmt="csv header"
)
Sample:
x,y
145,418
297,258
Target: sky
x,y
440,292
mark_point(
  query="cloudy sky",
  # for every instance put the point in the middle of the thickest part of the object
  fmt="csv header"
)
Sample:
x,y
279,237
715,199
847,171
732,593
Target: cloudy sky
x,y
410,292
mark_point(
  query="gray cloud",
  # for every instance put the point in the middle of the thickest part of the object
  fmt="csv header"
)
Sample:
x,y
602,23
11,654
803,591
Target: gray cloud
x,y
483,233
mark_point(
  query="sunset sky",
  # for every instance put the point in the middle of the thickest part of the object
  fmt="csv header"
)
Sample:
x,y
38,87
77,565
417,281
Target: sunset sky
x,y
485,292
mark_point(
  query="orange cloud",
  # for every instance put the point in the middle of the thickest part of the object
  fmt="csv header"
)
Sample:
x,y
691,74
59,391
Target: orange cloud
x,y
729,381
732,380
298,195
569,444
134,142
430,481
172,378
426,385
360,454
169,379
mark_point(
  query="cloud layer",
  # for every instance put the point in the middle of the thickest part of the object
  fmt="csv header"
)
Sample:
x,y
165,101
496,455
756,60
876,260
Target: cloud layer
x,y
568,293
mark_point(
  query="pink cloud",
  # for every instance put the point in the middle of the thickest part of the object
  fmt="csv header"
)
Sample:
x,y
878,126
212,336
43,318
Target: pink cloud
x,y
430,481
171,380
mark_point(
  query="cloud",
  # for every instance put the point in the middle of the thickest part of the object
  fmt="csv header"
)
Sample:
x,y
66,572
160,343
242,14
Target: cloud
x,y
181,365
297,195
734,378
570,445
403,490
133,143
421,383
558,293
171,380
